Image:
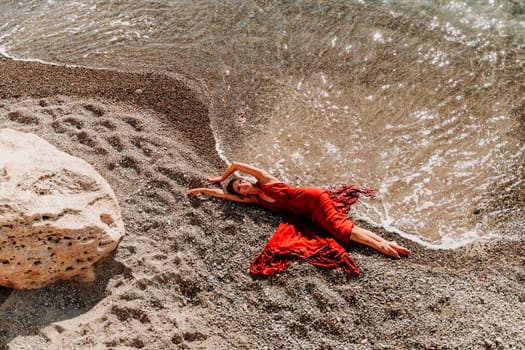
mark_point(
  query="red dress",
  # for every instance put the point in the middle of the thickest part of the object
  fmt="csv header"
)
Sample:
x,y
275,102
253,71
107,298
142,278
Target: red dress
x,y
314,228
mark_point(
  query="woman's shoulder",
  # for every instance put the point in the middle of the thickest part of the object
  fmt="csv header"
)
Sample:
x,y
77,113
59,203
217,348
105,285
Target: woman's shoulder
x,y
273,184
278,187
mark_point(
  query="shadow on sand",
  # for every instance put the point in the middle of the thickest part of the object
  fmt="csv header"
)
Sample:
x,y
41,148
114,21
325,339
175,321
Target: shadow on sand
x,y
25,312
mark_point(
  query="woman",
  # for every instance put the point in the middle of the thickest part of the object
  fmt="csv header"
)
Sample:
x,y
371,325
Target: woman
x,y
312,205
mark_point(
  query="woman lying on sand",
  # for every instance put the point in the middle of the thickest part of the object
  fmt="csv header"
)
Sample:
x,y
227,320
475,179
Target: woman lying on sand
x,y
311,205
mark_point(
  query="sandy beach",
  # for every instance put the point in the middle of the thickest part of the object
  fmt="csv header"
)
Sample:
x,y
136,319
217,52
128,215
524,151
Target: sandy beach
x,y
179,279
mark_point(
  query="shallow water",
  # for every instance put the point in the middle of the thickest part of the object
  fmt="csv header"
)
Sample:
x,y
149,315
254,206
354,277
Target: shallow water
x,y
420,100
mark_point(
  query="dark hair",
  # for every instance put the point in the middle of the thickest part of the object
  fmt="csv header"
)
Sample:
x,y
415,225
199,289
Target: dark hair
x,y
229,186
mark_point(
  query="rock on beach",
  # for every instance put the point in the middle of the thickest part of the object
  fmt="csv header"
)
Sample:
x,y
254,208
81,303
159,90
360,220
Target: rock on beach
x,y
58,216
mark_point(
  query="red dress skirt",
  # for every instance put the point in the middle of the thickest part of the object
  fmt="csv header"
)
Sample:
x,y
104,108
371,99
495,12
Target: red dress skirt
x,y
315,227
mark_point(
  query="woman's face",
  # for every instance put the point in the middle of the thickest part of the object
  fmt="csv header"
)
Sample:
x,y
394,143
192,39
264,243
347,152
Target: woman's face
x,y
242,186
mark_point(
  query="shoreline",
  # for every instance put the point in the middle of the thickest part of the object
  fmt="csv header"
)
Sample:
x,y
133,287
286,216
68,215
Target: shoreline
x,y
219,153
179,278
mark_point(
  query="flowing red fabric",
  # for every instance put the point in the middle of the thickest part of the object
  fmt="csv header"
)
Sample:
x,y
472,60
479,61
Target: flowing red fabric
x,y
299,238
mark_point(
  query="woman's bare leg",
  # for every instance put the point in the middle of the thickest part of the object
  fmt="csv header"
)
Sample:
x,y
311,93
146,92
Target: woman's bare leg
x,y
368,238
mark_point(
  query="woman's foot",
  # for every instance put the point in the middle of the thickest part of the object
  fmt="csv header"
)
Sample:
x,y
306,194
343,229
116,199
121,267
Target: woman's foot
x,y
399,249
388,250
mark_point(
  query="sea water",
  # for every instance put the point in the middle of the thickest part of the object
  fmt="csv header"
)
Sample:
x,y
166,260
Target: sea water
x,y
421,100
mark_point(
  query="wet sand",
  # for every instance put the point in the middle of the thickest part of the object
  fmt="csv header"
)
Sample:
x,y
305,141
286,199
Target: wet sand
x,y
179,279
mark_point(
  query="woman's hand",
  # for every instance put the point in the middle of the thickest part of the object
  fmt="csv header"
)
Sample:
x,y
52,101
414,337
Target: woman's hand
x,y
262,176
215,179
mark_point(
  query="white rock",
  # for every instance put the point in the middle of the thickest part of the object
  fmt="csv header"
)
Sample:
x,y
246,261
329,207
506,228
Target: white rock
x,y
58,216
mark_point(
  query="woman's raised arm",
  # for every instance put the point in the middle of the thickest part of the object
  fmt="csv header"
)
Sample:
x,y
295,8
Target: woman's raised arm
x,y
218,193
262,176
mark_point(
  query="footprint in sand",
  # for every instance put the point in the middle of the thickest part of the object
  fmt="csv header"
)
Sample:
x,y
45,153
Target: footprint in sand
x,y
22,117
135,123
142,144
116,142
84,138
108,124
74,122
96,109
